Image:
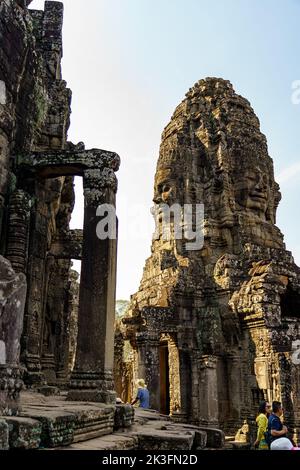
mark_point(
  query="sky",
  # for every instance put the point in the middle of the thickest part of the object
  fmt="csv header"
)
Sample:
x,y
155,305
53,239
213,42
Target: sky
x,y
129,63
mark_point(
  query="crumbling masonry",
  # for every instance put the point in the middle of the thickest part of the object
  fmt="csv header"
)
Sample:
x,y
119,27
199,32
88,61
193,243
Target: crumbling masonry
x,y
57,334
38,166
212,330
217,329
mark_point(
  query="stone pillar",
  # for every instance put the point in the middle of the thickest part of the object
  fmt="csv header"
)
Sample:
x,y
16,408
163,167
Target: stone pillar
x,y
50,307
208,391
174,375
18,230
68,333
182,415
295,387
12,302
148,365
285,375
92,377
234,387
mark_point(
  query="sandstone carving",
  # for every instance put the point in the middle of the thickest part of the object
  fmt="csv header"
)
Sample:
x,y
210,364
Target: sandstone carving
x,y
213,328
12,302
231,308
38,165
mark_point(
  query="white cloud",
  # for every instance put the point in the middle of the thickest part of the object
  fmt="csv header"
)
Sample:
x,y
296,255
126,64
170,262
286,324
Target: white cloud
x,y
288,173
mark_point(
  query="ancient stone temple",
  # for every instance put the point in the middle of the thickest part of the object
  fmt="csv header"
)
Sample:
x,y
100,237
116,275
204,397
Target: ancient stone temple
x,y
56,330
41,325
216,328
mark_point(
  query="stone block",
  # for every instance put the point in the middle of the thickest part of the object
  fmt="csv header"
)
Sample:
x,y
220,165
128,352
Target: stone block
x,y
57,426
215,438
91,422
165,440
24,433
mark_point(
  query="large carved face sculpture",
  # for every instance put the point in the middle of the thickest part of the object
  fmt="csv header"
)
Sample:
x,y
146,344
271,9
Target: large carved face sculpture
x,y
165,190
252,191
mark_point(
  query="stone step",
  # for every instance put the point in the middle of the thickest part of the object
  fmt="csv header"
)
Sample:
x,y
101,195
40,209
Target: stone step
x,y
57,426
71,422
52,422
113,441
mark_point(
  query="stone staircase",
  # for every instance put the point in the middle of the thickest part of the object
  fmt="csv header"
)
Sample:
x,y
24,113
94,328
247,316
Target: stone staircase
x,y
52,422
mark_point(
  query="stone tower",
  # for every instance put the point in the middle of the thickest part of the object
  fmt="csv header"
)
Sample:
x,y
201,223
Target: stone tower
x,y
215,329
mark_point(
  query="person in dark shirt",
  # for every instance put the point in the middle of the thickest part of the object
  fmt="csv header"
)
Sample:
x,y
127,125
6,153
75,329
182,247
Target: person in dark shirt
x,y
142,395
275,427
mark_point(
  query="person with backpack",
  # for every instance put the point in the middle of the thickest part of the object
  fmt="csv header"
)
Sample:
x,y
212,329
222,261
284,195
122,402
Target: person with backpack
x,y
264,411
276,429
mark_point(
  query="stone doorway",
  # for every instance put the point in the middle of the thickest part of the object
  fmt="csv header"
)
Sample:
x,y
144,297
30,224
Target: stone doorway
x,y
164,378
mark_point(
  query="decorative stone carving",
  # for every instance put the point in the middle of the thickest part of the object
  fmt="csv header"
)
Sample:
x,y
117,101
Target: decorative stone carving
x,y
18,234
236,299
12,301
38,165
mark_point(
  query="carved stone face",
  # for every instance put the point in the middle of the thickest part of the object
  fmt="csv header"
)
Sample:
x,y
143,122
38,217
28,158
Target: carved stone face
x,y
252,191
165,187
165,192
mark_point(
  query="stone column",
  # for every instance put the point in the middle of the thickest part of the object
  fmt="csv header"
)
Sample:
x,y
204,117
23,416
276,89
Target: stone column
x,y
148,365
18,230
92,377
12,302
295,387
234,387
185,371
208,391
68,333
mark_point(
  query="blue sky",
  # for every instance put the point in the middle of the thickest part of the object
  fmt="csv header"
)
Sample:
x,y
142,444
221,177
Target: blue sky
x,y
130,62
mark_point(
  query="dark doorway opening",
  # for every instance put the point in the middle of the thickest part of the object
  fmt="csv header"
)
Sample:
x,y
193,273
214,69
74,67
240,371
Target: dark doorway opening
x,y
290,303
164,379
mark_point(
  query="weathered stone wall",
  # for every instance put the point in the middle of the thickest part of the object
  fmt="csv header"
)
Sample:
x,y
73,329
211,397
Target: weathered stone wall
x,y
12,301
35,110
232,305
67,338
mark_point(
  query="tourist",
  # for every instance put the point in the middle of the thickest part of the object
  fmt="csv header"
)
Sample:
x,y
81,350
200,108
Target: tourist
x,y
283,443
264,411
142,395
275,427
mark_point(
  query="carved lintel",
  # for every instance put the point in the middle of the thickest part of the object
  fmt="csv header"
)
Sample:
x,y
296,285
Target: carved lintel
x,y
65,162
148,339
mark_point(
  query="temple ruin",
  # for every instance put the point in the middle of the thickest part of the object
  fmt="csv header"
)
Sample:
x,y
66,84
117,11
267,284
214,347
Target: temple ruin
x,y
56,330
38,166
215,330
212,330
